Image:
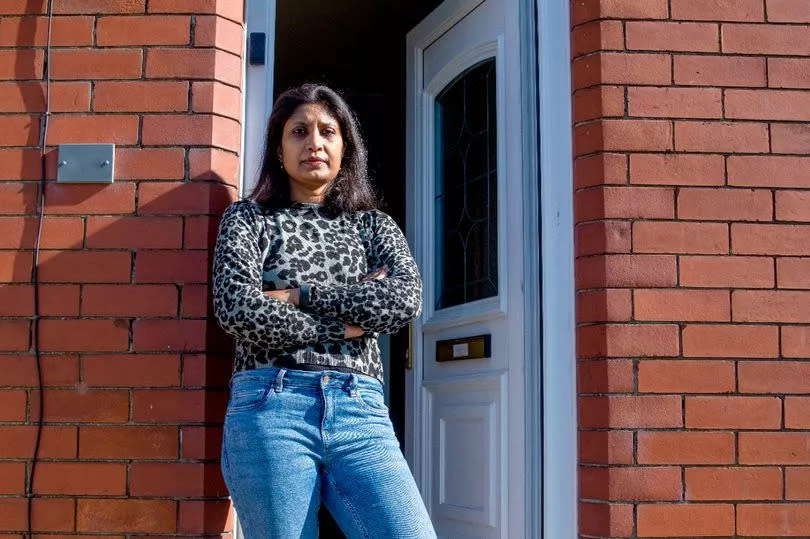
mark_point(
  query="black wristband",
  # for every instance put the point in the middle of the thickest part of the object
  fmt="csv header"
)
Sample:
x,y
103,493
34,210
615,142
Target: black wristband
x,y
303,296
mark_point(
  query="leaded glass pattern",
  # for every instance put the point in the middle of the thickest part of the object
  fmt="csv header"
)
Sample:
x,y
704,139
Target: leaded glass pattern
x,y
466,188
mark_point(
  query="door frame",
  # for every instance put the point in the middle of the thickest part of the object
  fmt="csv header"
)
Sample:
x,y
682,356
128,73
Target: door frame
x,y
557,374
550,419
257,94
257,91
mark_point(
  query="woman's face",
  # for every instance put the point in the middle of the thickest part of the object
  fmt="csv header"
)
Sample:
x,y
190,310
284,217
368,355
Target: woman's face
x,y
311,146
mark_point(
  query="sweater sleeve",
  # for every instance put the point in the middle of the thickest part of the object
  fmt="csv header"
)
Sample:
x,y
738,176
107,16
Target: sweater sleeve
x,y
380,305
240,307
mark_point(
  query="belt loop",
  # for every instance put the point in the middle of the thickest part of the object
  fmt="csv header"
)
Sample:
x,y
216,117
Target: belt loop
x,y
353,385
279,378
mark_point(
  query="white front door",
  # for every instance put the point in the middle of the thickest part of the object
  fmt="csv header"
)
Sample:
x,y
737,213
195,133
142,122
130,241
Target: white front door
x,y
465,395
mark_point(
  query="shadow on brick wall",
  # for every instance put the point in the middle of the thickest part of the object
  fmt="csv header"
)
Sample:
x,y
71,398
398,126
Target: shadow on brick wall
x,y
135,368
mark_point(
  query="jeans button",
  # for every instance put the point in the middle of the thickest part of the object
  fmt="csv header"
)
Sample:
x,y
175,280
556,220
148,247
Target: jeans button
x,y
325,378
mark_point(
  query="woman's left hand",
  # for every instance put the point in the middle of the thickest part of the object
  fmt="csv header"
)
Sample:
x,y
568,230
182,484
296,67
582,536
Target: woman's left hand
x,y
290,295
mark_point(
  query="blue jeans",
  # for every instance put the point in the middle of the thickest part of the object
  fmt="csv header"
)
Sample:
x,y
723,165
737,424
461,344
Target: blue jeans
x,y
293,438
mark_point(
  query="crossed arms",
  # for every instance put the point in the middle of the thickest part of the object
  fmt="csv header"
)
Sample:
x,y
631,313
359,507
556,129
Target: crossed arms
x,y
384,301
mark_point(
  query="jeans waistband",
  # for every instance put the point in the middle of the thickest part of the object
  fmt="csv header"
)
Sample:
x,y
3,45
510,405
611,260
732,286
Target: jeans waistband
x,y
279,377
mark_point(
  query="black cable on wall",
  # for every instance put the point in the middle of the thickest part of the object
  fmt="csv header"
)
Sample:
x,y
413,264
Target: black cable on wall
x,y
43,131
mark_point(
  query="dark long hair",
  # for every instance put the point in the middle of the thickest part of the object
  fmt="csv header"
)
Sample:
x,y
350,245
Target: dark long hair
x,y
351,190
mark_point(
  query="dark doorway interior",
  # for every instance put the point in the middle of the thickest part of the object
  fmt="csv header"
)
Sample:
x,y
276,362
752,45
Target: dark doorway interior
x,y
358,48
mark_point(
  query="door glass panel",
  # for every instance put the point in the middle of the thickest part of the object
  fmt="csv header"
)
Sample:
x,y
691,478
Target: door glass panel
x,y
466,188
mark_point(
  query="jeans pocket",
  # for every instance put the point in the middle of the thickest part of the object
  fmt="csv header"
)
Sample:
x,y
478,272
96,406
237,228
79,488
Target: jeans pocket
x,y
372,401
247,395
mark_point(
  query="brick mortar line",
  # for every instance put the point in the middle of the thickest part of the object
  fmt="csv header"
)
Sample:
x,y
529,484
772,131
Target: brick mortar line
x,y
671,20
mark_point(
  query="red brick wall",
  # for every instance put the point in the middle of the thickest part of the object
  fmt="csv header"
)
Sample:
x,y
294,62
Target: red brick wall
x,y
134,368
692,182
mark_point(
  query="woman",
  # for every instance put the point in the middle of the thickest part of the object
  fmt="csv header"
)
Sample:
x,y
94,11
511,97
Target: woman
x,y
307,273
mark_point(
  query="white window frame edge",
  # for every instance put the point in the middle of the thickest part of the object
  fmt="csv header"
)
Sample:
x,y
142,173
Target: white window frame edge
x,y
548,106
433,320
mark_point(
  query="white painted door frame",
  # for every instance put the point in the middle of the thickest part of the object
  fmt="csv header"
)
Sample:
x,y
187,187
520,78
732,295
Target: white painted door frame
x,y
549,315
557,375
257,97
257,94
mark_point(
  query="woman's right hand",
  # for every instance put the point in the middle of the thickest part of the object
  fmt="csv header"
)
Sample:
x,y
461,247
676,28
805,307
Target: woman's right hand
x,y
351,331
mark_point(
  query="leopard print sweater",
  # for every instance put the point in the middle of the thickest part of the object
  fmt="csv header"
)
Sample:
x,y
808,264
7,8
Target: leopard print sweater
x,y
259,249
